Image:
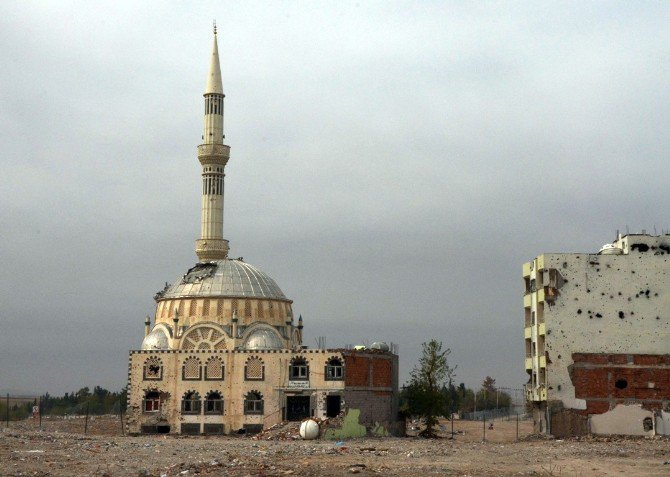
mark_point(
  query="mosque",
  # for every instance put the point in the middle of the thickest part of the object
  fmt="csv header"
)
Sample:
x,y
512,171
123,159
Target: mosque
x,y
225,353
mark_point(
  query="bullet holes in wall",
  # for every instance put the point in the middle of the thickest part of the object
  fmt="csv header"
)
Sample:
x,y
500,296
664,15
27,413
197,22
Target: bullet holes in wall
x,y
621,383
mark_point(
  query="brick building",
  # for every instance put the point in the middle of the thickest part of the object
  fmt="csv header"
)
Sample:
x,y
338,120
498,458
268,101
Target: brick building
x,y
224,352
597,338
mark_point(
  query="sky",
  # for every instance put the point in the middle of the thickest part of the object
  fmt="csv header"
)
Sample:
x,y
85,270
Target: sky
x,y
393,165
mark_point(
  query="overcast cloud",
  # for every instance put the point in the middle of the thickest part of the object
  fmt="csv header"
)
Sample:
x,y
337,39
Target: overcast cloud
x,y
393,164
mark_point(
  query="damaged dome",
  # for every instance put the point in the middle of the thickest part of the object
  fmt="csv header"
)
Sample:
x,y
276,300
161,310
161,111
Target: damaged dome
x,y
263,339
224,278
157,339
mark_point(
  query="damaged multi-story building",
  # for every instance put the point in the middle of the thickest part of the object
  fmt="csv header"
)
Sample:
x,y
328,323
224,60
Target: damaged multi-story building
x,y
597,338
224,352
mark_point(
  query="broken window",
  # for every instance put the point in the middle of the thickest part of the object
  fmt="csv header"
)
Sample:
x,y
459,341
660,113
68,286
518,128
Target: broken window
x,y
213,403
153,369
214,369
253,403
191,369
299,370
151,401
647,424
190,403
254,369
334,369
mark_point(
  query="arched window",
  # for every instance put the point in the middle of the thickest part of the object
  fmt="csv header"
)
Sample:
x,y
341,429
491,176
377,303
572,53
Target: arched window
x,y
334,369
214,369
190,370
253,403
151,401
254,370
299,369
190,403
153,369
213,403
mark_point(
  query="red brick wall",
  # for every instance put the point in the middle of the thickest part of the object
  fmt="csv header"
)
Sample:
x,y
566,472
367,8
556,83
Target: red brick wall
x,y
356,371
368,370
595,377
381,373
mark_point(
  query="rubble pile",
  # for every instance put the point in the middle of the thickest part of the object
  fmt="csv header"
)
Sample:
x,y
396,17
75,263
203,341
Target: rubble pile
x,y
275,452
290,430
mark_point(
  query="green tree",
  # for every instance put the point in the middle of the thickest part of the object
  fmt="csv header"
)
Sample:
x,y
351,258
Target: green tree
x,y
424,395
490,397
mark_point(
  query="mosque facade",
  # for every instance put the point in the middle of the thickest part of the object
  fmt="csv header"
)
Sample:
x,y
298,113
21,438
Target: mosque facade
x,y
224,353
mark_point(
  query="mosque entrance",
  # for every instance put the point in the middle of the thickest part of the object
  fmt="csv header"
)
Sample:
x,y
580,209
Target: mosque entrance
x,y
297,408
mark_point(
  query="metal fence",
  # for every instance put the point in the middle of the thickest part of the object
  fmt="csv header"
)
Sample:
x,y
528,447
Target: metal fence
x,y
489,415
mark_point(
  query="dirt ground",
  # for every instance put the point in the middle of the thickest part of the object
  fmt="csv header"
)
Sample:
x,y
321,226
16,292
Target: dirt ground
x,y
61,449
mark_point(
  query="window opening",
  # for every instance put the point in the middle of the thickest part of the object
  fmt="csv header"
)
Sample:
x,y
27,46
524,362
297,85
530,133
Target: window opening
x,y
190,403
213,403
299,370
152,401
334,369
253,403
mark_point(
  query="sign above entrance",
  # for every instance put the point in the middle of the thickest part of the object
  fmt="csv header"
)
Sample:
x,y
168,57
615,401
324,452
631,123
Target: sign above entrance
x,y
298,384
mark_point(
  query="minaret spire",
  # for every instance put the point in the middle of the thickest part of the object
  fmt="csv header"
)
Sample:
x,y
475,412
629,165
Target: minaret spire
x,y
213,156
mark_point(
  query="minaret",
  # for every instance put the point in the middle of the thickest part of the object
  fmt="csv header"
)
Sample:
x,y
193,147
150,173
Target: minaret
x,y
213,156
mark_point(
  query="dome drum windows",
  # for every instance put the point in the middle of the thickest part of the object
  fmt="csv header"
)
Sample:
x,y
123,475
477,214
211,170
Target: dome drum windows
x,y
334,369
213,403
214,370
299,369
153,369
254,370
253,403
191,403
191,369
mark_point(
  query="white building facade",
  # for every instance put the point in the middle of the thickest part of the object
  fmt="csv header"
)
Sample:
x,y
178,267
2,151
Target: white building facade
x,y
597,338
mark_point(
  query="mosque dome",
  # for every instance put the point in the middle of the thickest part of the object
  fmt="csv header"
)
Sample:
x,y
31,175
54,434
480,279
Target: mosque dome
x,y
263,338
232,278
157,339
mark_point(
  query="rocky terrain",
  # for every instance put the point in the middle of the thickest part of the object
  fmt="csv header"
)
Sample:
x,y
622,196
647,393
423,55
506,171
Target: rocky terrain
x,y
57,451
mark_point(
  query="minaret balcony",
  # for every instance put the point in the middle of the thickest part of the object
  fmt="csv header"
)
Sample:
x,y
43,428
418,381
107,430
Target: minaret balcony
x,y
213,154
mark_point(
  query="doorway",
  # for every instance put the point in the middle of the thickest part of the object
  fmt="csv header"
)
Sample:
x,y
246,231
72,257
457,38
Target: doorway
x,y
333,405
297,408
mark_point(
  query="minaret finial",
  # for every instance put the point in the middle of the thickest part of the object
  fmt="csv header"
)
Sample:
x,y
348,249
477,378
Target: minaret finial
x,y
215,27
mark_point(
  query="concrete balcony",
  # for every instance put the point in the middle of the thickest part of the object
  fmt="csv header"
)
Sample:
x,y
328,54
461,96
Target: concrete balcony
x,y
543,362
542,329
526,269
529,363
526,300
527,333
540,295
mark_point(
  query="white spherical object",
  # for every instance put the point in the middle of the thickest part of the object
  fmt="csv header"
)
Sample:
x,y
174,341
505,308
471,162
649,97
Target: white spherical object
x,y
309,429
